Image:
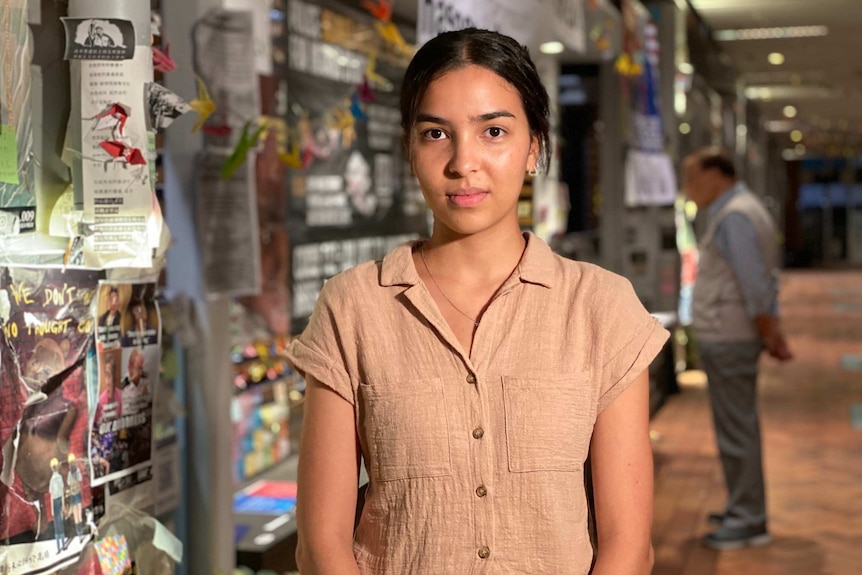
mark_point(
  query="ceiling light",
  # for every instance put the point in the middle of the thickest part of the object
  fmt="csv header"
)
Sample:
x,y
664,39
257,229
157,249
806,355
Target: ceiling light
x,y
796,135
799,149
776,58
788,155
552,47
789,111
771,33
684,128
777,126
686,68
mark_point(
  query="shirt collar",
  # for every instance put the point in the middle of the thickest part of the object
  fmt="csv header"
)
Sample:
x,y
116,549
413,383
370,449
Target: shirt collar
x,y
725,197
538,264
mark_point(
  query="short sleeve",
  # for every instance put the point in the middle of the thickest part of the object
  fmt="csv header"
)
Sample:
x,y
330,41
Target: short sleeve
x,y
317,352
634,338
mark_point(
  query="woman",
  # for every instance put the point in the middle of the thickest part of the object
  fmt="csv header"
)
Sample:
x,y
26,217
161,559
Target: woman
x,y
474,371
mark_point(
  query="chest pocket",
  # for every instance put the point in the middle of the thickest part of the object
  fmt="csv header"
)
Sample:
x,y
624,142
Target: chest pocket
x,y
407,430
549,422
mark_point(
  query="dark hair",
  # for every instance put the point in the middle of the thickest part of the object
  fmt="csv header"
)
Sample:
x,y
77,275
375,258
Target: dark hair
x,y
717,158
498,53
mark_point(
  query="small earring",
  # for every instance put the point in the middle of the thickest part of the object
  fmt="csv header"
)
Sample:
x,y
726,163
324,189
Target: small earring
x,y
534,171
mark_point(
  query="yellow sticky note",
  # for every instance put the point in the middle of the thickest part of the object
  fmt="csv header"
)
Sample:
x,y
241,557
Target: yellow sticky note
x,y
8,155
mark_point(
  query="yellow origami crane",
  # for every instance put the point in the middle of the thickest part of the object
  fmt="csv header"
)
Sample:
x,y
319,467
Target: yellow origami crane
x,y
626,66
203,104
292,158
373,77
343,120
390,34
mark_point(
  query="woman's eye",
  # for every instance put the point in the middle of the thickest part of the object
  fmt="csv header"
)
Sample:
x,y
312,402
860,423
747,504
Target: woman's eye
x,y
495,132
435,134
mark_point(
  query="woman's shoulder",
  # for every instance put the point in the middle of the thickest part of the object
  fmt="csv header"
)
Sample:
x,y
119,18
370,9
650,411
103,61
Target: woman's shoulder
x,y
590,276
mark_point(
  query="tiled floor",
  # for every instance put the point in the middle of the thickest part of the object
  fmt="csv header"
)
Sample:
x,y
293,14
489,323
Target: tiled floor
x,y
812,447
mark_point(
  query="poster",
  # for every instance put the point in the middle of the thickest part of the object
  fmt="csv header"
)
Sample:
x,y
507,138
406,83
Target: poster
x,y
650,179
227,212
17,166
115,156
46,336
531,22
128,335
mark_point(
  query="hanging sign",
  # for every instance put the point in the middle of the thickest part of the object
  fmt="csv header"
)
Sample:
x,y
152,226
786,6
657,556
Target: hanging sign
x,y
531,22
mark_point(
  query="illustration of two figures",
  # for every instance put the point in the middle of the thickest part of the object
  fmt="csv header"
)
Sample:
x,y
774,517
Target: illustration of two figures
x,y
66,500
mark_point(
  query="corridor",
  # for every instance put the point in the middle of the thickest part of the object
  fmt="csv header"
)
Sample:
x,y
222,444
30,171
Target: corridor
x,y
811,413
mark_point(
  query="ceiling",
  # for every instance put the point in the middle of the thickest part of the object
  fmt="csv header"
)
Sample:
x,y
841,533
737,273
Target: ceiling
x,y
820,76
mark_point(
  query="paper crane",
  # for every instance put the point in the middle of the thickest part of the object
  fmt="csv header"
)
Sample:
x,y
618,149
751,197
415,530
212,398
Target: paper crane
x,y
203,104
380,9
114,116
390,33
240,152
162,61
123,153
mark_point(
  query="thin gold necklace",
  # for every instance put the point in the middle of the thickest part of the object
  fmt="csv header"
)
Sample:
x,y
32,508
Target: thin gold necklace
x,y
430,275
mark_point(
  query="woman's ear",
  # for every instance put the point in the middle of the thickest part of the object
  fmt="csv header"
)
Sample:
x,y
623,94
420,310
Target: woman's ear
x,y
534,155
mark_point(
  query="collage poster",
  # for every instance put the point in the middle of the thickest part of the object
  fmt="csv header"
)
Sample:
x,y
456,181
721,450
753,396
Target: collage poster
x,y
122,391
46,334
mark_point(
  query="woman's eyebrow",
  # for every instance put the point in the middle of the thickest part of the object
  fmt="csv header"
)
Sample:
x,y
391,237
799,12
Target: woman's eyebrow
x,y
431,118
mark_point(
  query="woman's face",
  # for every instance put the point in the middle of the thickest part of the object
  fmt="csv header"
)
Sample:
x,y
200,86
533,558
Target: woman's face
x,y
470,146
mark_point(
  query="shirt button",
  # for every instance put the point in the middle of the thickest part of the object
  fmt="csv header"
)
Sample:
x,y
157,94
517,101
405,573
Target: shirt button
x,y
484,553
481,491
478,433
471,379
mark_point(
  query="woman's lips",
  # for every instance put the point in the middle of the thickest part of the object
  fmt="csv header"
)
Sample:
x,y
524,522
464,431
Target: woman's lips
x,y
466,200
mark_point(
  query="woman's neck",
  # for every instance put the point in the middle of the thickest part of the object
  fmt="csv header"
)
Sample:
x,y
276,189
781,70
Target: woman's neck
x,y
490,256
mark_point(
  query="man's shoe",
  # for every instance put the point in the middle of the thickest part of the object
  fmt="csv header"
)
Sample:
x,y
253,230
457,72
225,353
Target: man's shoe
x,y
729,538
716,518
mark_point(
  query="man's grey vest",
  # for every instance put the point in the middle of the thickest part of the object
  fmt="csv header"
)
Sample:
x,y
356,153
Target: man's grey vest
x,y
718,309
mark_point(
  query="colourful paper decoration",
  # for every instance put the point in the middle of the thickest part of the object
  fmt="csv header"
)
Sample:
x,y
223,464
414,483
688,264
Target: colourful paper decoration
x,y
203,104
113,553
380,9
240,152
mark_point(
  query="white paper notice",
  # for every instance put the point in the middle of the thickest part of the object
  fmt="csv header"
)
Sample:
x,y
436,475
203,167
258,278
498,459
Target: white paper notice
x,y
117,186
650,179
262,31
229,227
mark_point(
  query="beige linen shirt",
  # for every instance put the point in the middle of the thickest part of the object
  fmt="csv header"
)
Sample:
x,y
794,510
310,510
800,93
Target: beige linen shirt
x,y
476,462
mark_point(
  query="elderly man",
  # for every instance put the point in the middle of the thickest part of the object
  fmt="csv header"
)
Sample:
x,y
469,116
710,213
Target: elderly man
x,y
735,316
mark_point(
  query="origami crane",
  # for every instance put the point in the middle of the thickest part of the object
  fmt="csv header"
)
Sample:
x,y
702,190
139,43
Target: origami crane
x,y
162,61
123,153
390,33
240,152
292,158
380,9
114,116
203,104
374,79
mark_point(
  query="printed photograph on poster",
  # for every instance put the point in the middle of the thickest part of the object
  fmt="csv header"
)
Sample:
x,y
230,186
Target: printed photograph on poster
x,y
113,301
122,428
99,39
46,334
164,107
141,323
